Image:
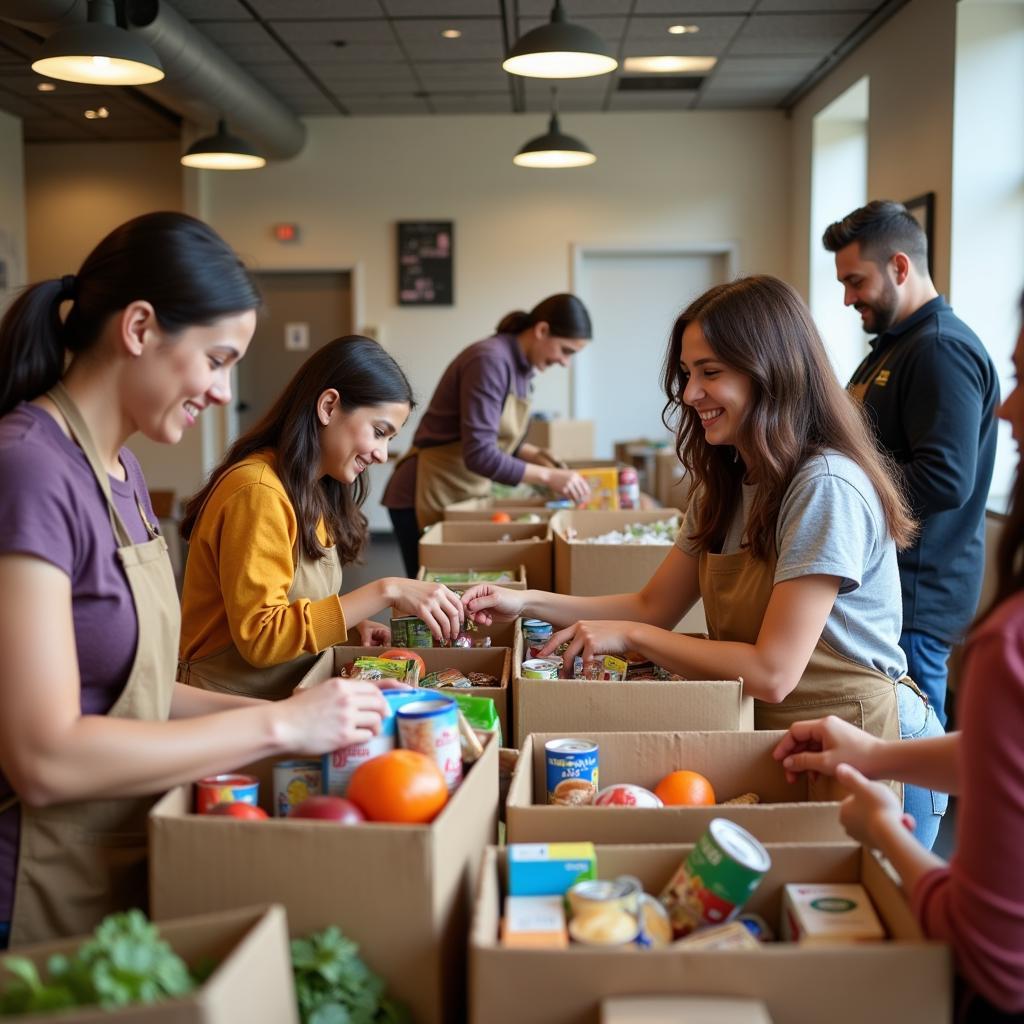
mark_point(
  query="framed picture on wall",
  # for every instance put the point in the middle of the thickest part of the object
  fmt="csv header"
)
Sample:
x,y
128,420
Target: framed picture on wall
x,y
922,209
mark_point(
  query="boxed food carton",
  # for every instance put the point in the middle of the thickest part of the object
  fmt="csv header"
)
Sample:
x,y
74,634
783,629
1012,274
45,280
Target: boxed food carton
x,y
251,980
450,546
735,763
903,979
565,439
826,914
402,892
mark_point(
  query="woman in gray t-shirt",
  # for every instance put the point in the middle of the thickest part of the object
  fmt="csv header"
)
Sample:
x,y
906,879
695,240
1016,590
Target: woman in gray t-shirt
x,y
790,537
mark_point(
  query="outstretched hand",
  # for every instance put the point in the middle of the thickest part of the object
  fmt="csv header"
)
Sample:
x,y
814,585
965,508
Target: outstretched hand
x,y
588,638
871,810
820,744
486,603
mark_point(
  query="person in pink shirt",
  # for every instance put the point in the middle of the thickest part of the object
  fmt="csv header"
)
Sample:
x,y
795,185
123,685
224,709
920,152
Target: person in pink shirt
x,y
976,902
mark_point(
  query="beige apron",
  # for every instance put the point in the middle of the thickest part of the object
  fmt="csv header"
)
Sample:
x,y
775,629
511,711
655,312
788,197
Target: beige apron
x,y
859,391
442,477
78,862
226,671
736,589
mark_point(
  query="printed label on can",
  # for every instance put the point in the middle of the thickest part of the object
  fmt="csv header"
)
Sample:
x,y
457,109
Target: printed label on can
x,y
226,789
723,869
294,783
432,727
541,668
572,772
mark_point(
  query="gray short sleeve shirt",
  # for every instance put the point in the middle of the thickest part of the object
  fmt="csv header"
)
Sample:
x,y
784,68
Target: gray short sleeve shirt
x,y
831,523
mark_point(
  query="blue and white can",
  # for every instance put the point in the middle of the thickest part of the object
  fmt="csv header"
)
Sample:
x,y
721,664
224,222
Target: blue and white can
x,y
572,771
431,726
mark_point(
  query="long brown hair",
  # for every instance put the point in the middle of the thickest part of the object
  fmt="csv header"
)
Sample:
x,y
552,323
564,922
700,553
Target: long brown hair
x,y
760,326
363,374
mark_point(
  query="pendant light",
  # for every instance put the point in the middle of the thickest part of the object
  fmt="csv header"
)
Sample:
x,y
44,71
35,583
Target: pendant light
x,y
98,52
554,149
222,152
560,49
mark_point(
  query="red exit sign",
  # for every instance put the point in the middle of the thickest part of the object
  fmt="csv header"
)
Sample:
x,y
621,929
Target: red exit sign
x,y
286,232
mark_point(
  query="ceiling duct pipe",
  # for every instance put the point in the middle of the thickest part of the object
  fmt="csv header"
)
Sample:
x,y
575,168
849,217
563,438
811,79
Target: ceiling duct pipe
x,y
203,84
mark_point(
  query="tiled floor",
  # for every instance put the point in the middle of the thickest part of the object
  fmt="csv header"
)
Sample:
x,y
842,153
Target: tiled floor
x,y
383,559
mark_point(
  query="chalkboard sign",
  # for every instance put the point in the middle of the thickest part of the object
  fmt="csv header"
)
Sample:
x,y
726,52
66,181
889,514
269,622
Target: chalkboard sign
x,y
425,263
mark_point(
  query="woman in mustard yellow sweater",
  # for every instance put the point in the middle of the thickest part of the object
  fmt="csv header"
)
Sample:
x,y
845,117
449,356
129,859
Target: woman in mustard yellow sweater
x,y
276,521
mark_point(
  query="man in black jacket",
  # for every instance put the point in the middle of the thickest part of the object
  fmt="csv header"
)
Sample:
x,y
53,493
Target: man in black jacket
x,y
930,390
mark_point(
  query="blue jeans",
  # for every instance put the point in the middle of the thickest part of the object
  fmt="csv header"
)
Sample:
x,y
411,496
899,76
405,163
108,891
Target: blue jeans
x,y
927,659
918,721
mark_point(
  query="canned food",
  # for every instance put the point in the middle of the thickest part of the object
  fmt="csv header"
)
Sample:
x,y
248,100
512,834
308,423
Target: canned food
x,y
629,488
605,913
226,789
294,783
431,726
541,668
655,926
598,894
337,766
723,869
536,633
572,771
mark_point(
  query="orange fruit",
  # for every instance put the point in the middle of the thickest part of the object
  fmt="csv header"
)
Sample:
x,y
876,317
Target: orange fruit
x,y
685,789
501,517
402,785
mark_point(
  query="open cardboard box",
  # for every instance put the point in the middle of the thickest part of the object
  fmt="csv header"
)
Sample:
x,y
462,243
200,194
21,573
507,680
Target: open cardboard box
x,y
480,510
641,705
588,569
495,660
565,439
519,583
904,979
733,762
683,1010
252,981
402,892
479,546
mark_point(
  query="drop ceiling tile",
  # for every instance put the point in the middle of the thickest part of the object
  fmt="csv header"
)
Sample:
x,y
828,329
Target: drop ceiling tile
x,y
274,75
266,52
793,6
771,65
222,32
24,82
479,74
293,9
687,7
740,96
575,10
479,103
207,10
373,87
338,72
53,129
351,31
443,8
794,33
353,52
681,100
362,105
317,106
766,81
610,29
714,31
482,39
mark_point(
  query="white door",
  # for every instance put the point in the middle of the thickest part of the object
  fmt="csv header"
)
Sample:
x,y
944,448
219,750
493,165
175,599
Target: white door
x,y
634,298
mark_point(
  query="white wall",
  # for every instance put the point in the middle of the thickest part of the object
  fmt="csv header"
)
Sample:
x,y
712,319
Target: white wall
x,y
988,193
12,208
910,63
660,178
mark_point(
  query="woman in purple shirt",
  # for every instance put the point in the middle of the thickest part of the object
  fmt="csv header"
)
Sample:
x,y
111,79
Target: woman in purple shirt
x,y
976,902
92,724
472,431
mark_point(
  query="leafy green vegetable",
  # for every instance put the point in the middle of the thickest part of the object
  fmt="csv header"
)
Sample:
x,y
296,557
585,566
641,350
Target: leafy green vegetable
x,y
124,962
334,986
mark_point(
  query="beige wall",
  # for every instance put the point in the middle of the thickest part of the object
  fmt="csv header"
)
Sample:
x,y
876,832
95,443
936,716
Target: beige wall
x,y
660,178
910,62
12,207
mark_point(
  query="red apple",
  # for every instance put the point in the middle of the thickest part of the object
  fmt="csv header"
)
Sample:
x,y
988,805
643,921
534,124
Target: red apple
x,y
238,809
329,808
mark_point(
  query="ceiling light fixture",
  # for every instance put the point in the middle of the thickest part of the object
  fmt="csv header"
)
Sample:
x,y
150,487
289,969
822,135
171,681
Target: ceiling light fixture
x,y
45,87
683,30
222,152
98,52
100,113
668,65
554,149
452,33
560,49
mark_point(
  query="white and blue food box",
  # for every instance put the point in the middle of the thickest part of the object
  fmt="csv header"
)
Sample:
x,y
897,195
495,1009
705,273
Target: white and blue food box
x,y
549,869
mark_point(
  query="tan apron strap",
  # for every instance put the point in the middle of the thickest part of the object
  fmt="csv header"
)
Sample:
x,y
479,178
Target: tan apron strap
x,y
860,390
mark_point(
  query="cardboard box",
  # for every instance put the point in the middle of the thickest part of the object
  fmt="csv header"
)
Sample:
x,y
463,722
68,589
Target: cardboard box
x,y
733,762
565,439
683,1010
519,583
670,487
252,981
643,705
894,982
479,546
589,569
495,660
480,510
403,892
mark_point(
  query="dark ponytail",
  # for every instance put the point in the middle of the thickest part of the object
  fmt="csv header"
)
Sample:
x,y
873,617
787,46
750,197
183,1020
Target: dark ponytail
x,y
178,264
563,313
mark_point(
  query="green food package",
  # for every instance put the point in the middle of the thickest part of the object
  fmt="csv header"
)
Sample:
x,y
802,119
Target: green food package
x,y
409,631
404,670
480,713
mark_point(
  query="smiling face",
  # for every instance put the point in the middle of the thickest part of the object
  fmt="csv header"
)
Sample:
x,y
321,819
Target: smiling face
x,y
869,288
544,349
1012,409
176,376
719,395
350,441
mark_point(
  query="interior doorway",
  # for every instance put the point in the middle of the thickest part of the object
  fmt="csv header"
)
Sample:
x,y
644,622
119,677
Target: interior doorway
x,y
634,296
302,311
